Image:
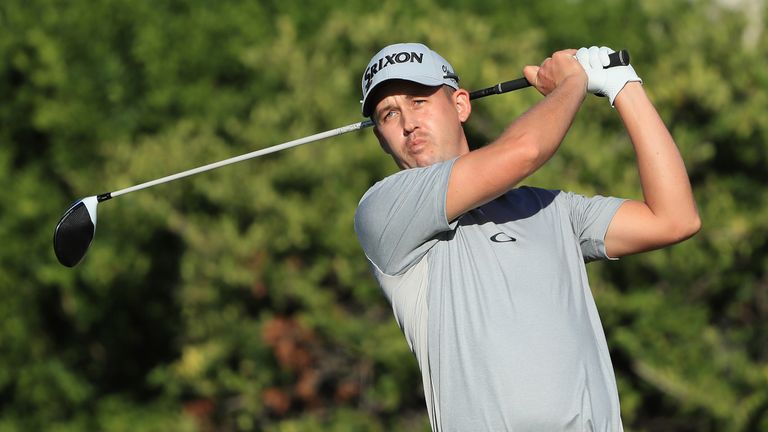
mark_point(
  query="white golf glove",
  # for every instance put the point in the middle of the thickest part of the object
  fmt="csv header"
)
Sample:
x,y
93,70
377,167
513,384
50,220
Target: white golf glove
x,y
604,82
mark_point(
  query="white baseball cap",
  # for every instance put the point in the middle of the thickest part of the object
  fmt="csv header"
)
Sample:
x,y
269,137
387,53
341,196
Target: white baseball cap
x,y
406,61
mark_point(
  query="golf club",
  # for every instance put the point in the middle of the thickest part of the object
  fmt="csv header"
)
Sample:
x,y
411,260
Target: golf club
x,y
76,228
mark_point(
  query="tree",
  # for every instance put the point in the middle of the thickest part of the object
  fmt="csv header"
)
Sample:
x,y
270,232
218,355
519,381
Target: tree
x,y
240,300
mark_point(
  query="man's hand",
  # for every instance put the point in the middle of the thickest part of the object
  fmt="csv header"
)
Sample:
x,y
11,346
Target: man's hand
x,y
555,70
604,82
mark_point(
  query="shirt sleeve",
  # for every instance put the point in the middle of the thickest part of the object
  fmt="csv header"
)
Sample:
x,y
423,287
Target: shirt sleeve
x,y
590,218
398,219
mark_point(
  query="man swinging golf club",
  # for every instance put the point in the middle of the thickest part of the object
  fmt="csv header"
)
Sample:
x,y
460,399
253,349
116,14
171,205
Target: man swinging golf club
x,y
487,280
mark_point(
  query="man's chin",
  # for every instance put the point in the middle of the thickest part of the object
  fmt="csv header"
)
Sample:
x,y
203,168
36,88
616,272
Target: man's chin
x,y
428,160
419,161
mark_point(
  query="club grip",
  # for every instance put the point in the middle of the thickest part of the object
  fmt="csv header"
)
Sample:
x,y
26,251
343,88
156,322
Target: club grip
x,y
618,58
500,88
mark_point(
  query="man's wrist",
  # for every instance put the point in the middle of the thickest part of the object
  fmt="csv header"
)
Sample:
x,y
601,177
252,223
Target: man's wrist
x,y
575,83
630,92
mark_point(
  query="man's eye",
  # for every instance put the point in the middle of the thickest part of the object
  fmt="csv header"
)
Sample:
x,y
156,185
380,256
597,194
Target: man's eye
x,y
419,101
385,115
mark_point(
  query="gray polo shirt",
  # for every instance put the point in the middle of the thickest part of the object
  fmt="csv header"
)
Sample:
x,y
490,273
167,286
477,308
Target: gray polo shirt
x,y
496,305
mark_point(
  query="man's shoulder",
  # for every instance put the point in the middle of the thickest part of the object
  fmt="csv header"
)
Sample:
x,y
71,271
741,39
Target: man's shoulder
x,y
403,178
381,184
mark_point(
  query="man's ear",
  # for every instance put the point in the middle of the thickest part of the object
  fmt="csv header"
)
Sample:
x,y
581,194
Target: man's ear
x,y
382,141
462,103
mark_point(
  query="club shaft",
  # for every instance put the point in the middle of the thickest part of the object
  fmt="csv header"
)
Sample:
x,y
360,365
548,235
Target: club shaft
x,y
275,148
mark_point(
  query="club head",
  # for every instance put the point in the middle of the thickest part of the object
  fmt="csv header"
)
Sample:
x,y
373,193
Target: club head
x,y
75,230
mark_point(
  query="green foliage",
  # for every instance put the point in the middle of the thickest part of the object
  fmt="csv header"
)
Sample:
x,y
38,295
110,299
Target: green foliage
x,y
240,299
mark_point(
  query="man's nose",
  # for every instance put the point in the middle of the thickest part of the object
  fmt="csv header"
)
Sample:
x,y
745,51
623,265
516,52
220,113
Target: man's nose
x,y
410,121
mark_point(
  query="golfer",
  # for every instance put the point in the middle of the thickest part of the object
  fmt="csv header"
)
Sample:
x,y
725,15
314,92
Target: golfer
x,y
487,278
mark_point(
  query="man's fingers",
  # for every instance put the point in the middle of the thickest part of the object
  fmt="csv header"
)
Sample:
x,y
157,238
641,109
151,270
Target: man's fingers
x,y
550,73
605,60
570,52
530,73
582,55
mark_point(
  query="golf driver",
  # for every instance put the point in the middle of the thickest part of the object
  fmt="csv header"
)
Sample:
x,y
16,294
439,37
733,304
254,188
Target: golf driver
x,y
76,228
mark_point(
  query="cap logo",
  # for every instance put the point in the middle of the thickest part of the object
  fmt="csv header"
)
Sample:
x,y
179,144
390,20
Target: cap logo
x,y
401,57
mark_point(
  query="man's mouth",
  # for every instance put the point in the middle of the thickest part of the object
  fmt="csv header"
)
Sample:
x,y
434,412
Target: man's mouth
x,y
416,144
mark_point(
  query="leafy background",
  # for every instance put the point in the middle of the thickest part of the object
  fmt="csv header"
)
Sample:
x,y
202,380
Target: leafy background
x,y
240,300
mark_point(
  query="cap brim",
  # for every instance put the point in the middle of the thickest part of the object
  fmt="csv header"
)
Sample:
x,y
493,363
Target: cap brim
x,y
370,97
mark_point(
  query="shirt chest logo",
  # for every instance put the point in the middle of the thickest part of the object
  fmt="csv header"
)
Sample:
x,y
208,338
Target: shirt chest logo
x,y
502,238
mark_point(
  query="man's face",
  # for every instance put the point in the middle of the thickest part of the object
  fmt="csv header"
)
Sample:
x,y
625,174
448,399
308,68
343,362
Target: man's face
x,y
419,125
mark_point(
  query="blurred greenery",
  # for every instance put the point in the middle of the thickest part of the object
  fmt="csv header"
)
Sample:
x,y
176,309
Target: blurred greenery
x,y
240,299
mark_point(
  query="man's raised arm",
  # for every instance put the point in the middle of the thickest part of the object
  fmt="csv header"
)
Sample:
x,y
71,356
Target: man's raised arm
x,y
668,213
485,174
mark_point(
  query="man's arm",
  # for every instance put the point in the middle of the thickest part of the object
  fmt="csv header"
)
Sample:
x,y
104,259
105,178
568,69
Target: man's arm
x,y
668,213
484,174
